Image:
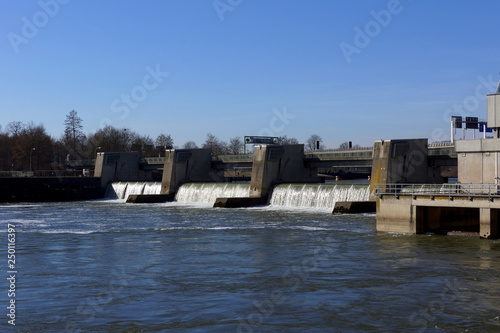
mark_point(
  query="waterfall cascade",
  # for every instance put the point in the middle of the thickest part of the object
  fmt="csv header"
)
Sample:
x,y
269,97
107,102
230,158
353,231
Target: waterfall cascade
x,y
322,196
207,193
121,190
317,195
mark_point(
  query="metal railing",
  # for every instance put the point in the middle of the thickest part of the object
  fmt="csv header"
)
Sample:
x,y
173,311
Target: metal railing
x,y
233,158
451,190
441,144
340,154
337,149
46,173
154,160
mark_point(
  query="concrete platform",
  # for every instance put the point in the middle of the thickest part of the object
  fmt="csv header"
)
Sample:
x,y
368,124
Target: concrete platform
x,y
45,189
354,207
240,202
420,214
150,198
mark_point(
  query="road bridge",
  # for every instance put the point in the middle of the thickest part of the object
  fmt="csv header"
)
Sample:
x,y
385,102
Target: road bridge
x,y
355,162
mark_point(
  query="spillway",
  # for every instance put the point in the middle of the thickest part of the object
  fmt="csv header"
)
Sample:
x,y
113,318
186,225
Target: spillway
x,y
207,193
121,190
321,196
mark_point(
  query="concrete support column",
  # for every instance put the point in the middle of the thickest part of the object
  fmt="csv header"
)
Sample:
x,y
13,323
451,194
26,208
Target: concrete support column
x,y
401,161
117,166
279,164
488,223
183,165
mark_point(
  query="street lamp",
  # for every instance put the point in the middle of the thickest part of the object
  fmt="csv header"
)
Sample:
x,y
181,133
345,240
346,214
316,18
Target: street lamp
x,y
31,158
96,148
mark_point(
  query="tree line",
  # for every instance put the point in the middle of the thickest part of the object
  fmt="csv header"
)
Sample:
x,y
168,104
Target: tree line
x,y
25,147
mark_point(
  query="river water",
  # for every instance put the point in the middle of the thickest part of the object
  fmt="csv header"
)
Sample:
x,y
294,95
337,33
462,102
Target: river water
x,y
107,266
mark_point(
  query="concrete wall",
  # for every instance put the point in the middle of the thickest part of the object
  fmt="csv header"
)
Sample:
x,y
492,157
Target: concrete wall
x,y
186,165
476,160
29,189
415,215
279,164
118,166
401,161
395,215
493,101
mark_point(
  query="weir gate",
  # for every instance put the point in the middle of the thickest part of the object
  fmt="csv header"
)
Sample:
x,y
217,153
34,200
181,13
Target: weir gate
x,y
346,163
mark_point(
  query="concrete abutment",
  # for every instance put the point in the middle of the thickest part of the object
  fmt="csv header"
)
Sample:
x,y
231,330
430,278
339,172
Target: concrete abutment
x,y
438,215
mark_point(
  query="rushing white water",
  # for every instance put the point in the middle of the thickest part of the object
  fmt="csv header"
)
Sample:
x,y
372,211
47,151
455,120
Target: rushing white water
x,y
320,196
152,188
121,190
207,193
317,195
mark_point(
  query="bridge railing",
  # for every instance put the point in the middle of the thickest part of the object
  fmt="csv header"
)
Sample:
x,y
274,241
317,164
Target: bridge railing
x,y
44,173
340,154
338,149
79,163
441,144
446,148
153,160
451,190
233,158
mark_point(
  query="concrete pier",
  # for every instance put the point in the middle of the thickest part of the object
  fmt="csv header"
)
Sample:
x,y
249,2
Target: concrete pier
x,y
180,166
185,165
150,198
440,211
273,165
240,202
471,205
279,164
119,166
402,161
354,207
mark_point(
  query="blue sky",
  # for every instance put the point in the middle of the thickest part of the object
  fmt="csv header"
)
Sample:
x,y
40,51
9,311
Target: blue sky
x,y
345,70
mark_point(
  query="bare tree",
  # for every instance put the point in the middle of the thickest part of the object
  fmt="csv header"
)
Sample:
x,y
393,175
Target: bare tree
x,y
312,142
190,145
235,146
14,128
73,132
345,145
284,140
110,138
164,141
33,146
143,144
213,143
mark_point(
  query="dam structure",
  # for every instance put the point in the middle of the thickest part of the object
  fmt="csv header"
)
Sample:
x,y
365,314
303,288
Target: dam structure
x,y
470,206
189,176
280,176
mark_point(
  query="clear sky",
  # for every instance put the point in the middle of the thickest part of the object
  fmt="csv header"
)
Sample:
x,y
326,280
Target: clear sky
x,y
345,70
